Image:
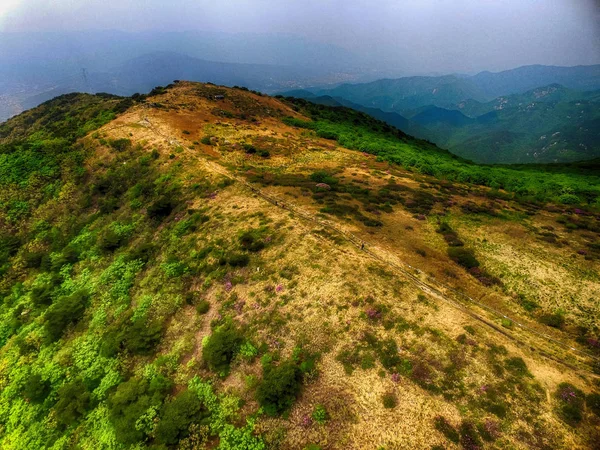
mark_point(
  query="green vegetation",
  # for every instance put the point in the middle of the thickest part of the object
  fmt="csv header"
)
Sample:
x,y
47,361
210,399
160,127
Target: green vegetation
x,y
358,131
279,387
390,401
570,403
221,347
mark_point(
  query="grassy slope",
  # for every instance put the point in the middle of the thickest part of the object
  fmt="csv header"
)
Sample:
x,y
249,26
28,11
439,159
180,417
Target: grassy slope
x,y
138,224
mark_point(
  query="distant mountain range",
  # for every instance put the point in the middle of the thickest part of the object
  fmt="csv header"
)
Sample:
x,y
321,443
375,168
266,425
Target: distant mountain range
x,y
35,67
541,114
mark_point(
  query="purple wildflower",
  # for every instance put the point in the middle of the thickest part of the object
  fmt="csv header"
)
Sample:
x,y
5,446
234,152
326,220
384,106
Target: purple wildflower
x,y
306,421
593,342
279,288
228,286
372,313
395,377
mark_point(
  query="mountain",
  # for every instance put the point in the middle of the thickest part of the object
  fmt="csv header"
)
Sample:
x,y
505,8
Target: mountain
x,y
408,93
448,91
522,79
35,67
553,93
551,123
207,267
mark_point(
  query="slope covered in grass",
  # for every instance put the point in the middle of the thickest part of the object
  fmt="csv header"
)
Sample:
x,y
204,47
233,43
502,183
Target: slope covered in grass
x,y
151,298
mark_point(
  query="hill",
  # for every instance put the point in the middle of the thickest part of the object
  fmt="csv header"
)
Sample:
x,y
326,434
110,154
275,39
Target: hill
x,y
546,124
208,267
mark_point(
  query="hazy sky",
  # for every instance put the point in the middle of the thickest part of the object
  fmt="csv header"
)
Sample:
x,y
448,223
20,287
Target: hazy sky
x,y
427,35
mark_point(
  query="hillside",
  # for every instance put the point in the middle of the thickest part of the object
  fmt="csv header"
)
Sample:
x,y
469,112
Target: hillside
x,y
546,124
206,267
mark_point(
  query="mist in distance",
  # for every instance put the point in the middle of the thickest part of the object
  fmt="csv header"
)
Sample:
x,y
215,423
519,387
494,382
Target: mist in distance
x,y
396,37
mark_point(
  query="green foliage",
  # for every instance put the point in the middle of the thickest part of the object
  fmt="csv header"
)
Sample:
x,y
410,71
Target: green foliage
x,y
64,312
221,347
593,403
469,438
319,414
279,387
517,367
463,256
161,208
251,240
202,307
130,403
554,320
446,428
120,145
238,260
222,411
142,336
72,404
248,351
177,415
570,403
36,389
390,401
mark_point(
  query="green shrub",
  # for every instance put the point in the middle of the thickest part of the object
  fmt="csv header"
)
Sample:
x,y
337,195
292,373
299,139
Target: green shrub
x,y
248,351
177,415
555,320
33,260
69,255
109,240
41,295
238,260
221,347
570,403
129,402
73,402
202,307
389,400
206,140
250,240
9,246
250,149
142,252
444,427
593,403
120,145
279,387
36,389
161,208
517,366
142,336
64,312
469,438
319,414
463,256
